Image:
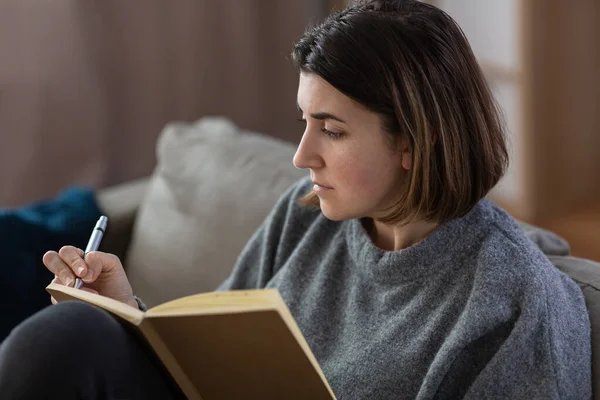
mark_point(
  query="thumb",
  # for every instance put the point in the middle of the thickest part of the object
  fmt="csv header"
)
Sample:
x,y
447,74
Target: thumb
x,y
98,263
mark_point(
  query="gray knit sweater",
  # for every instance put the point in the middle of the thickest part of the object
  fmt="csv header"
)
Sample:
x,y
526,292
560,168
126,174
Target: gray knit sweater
x,y
473,311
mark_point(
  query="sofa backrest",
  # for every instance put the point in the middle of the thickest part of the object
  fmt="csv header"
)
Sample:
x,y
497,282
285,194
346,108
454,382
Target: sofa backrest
x,y
587,275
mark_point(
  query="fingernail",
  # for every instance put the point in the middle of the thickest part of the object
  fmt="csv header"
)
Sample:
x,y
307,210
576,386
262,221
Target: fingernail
x,y
68,281
80,271
89,275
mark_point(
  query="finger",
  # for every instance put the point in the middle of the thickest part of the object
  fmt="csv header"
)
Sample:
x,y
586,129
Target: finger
x,y
58,281
55,264
73,257
99,262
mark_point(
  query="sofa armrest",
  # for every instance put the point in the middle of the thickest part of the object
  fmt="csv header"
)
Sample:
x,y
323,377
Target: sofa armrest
x,y
120,204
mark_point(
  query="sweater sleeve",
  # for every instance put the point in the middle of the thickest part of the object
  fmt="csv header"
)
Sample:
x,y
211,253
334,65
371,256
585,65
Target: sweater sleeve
x,y
546,354
265,251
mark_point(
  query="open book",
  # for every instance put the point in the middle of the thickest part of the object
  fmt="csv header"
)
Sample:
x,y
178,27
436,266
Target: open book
x,y
224,345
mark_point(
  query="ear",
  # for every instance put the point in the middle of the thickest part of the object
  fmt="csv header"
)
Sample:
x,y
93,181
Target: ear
x,y
407,160
405,154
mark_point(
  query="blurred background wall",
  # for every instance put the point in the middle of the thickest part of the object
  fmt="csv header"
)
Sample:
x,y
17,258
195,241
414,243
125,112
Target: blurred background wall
x,y
86,86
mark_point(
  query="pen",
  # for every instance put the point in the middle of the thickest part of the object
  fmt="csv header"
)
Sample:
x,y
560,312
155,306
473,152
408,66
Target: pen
x,y
93,243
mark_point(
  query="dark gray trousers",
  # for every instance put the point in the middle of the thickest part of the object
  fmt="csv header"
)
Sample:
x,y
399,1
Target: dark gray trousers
x,y
76,351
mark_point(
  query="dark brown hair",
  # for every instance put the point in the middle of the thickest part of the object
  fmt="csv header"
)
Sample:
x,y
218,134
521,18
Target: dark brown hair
x,y
410,62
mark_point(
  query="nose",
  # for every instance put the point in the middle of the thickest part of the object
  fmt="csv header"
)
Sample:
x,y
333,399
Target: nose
x,y
308,154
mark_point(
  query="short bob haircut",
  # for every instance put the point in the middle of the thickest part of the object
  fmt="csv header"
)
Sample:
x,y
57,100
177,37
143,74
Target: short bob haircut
x,y
410,63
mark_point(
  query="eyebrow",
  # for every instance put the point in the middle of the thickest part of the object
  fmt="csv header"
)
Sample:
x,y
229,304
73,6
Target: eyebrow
x,y
323,115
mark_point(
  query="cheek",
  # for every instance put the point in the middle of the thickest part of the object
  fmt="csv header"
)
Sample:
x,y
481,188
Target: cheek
x,y
362,174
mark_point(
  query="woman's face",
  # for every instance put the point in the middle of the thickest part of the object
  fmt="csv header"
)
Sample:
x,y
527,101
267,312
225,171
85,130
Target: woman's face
x,y
355,170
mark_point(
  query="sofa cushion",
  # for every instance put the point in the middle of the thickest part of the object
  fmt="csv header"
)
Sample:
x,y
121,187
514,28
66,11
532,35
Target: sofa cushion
x,y
213,186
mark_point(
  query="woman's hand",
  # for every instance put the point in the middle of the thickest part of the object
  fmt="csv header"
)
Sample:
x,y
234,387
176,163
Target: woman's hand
x,y
101,273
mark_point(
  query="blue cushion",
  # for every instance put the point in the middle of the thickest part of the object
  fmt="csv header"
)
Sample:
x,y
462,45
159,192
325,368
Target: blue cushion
x,y
26,233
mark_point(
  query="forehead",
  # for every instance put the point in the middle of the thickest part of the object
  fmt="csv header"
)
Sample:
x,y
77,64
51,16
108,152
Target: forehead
x,y
316,94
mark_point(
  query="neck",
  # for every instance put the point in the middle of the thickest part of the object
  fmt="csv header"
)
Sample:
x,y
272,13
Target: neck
x,y
396,237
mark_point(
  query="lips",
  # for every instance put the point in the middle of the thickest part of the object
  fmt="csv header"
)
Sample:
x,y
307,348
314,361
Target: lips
x,y
319,189
321,186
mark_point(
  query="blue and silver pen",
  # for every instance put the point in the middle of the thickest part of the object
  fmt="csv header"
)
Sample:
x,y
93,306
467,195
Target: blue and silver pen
x,y
93,243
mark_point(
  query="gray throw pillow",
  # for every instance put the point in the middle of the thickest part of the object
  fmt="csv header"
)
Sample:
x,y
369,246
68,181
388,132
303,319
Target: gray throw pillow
x,y
213,186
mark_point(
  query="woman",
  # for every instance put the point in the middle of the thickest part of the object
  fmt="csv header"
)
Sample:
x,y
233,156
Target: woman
x,y
404,280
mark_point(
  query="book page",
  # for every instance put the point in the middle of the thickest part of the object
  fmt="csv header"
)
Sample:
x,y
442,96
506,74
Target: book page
x,y
219,301
128,313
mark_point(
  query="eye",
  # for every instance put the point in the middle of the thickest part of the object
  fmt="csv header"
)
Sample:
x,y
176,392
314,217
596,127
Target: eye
x,y
326,132
331,134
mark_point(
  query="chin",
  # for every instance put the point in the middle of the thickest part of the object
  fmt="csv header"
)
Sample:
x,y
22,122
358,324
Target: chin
x,y
334,215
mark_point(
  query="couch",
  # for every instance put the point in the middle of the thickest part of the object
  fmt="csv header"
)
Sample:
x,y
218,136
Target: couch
x,y
179,231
